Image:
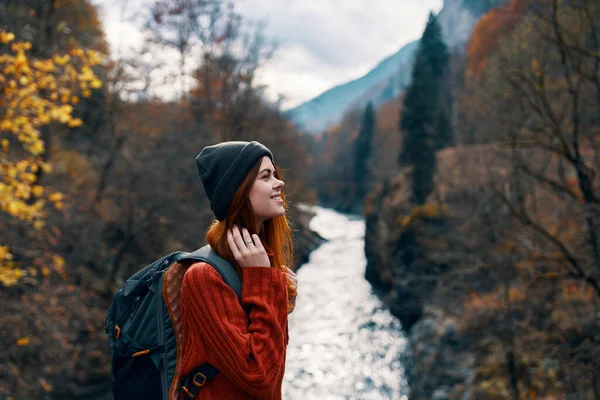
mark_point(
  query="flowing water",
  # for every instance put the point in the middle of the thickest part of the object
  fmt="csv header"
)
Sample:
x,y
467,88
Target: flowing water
x,y
343,343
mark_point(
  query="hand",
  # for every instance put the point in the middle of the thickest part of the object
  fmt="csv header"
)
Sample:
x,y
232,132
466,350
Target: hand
x,y
247,250
292,289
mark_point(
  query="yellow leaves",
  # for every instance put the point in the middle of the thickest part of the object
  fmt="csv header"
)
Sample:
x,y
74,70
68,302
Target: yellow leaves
x,y
35,93
6,37
37,190
62,60
44,65
9,274
94,57
5,253
54,197
46,168
95,83
37,148
74,123
6,125
24,341
59,263
62,113
537,70
86,74
77,52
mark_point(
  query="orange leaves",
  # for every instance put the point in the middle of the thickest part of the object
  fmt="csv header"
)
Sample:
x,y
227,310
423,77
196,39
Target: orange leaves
x,y
45,385
426,211
24,341
488,32
577,293
476,303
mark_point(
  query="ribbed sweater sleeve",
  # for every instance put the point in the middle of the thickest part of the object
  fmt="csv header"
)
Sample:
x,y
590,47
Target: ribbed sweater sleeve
x,y
248,350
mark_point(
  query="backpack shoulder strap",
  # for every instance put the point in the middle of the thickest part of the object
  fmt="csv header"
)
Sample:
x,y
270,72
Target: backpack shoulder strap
x,y
223,267
193,382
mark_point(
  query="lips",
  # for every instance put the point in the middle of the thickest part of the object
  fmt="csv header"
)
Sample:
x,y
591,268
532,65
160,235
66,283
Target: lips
x,y
277,199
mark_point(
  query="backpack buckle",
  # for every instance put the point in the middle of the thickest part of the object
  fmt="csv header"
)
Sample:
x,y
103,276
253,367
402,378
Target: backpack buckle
x,y
199,379
185,391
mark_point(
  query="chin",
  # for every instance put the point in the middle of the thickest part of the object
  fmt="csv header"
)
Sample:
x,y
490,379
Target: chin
x,y
274,215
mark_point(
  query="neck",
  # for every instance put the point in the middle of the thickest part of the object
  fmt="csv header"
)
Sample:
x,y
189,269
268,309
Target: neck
x,y
259,225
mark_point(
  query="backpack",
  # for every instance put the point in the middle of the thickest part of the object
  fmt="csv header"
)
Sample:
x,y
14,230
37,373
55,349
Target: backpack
x,y
143,325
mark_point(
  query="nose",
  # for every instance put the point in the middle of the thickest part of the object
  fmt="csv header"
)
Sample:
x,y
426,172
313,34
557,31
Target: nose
x,y
279,183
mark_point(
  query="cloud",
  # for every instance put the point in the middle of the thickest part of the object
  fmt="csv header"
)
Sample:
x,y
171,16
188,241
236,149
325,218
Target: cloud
x,y
322,43
325,43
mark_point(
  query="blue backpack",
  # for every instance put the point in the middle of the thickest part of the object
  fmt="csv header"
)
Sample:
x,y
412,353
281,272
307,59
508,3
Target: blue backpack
x,y
144,329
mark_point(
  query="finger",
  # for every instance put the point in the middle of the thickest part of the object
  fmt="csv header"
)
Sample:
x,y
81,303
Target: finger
x,y
257,241
292,288
291,274
239,241
232,244
247,239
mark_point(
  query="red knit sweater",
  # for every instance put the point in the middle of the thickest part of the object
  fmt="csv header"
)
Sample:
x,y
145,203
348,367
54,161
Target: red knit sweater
x,y
249,351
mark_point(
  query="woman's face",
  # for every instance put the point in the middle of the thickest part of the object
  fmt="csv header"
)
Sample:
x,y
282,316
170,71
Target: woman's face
x,y
265,193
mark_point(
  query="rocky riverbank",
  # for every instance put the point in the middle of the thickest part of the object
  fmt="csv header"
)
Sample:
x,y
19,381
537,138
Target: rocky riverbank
x,y
405,263
305,240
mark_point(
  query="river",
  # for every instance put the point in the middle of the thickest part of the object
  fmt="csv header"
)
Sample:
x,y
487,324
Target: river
x,y
344,344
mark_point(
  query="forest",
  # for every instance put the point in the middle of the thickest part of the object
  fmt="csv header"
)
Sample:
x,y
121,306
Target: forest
x,y
98,177
479,187
482,225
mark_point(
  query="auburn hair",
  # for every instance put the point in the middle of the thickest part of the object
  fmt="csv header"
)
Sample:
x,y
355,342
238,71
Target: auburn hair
x,y
275,232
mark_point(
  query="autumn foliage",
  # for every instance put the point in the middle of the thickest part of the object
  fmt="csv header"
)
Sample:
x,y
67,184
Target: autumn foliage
x,y
35,94
504,258
98,176
489,31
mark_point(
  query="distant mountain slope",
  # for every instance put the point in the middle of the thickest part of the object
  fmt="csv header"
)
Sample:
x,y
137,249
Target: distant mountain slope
x,y
389,78
326,109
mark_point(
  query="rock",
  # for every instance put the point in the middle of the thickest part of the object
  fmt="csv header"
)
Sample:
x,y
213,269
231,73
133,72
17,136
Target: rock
x,y
440,394
305,240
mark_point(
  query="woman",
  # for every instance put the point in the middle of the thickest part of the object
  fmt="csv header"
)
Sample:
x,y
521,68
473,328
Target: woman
x,y
251,232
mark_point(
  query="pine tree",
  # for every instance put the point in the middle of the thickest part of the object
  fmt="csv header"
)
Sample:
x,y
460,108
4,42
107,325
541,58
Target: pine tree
x,y
362,151
424,121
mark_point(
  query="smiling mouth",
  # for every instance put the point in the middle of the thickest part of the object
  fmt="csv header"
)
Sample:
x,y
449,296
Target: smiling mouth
x,y
277,198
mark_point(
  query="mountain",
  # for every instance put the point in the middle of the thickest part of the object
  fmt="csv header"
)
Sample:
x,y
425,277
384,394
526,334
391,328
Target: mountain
x,y
389,78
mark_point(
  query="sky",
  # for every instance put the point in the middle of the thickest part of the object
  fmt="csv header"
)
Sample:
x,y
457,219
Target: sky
x,y
321,43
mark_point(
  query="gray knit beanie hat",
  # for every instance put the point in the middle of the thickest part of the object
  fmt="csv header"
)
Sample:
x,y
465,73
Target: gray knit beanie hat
x,y
223,167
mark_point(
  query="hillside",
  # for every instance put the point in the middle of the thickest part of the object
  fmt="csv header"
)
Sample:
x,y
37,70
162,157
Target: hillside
x,y
389,77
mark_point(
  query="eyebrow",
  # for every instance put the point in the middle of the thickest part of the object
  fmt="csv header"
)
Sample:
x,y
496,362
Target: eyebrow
x,y
265,170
